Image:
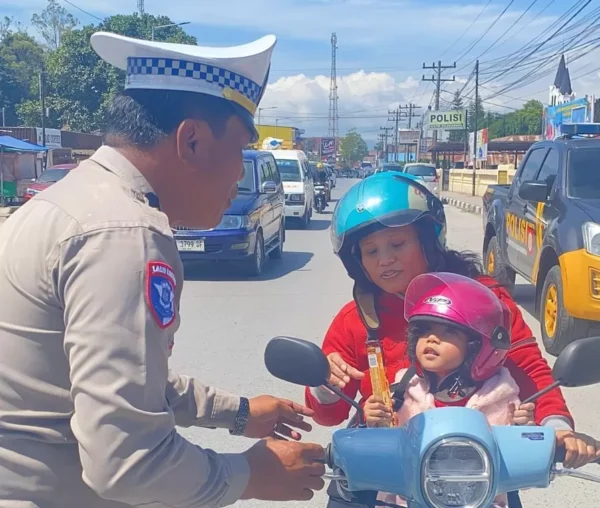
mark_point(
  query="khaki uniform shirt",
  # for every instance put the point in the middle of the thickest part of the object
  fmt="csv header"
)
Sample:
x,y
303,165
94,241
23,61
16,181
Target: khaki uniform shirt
x,y
90,284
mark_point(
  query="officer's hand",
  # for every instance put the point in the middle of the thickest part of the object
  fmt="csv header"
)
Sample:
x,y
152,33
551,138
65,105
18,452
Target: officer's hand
x,y
270,416
284,470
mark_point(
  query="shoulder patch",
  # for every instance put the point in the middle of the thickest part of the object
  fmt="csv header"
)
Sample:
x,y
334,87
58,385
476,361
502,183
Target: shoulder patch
x,y
160,292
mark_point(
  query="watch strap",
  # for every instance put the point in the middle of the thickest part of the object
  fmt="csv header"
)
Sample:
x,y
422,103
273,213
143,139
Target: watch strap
x,y
241,418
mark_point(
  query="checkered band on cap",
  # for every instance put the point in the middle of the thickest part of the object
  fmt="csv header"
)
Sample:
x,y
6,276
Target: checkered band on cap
x,y
203,72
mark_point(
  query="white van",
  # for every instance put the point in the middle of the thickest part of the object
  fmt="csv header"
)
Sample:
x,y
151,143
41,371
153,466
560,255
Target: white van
x,y
298,184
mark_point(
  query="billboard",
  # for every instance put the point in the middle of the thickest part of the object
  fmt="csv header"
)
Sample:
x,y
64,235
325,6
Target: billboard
x,y
53,137
408,136
482,145
327,147
576,111
455,119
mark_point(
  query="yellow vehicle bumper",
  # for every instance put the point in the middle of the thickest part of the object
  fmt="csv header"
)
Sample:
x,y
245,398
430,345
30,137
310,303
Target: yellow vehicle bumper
x,y
580,273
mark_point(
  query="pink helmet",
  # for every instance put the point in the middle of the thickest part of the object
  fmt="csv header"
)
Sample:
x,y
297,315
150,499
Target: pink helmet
x,y
448,297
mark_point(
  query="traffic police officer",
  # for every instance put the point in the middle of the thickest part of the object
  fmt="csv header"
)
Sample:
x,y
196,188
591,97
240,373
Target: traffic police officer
x,y
90,285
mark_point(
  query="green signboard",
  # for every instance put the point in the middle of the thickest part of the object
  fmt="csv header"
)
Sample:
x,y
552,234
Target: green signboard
x,y
446,120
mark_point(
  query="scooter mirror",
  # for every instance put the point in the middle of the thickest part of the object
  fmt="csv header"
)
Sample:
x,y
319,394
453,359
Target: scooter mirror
x,y
296,361
577,364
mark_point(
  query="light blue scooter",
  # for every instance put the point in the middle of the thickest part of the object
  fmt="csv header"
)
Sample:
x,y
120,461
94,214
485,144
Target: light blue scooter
x,y
447,457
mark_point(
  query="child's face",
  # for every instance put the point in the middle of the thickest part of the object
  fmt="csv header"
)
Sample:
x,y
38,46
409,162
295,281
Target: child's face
x,y
441,349
393,257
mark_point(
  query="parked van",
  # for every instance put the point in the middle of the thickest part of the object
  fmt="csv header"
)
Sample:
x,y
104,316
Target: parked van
x,y
298,184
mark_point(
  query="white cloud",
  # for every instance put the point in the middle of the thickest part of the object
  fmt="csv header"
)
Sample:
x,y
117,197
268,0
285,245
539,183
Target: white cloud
x,y
364,101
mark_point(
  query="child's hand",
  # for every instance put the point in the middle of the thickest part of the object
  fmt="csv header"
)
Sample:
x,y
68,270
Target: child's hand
x,y
377,414
580,448
523,415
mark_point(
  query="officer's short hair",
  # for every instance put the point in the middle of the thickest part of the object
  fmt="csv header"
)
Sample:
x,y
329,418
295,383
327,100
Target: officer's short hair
x,y
142,118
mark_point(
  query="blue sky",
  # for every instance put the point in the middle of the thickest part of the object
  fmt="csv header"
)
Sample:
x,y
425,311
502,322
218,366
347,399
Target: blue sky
x,y
382,45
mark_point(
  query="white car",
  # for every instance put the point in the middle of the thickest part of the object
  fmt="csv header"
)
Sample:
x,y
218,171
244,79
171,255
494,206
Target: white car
x,y
427,172
298,184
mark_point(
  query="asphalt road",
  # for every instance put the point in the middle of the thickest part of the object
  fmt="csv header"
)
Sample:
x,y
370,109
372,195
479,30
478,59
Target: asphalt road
x,y
228,319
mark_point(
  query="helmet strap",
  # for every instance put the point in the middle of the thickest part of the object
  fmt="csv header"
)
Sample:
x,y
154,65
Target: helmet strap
x,y
455,387
366,303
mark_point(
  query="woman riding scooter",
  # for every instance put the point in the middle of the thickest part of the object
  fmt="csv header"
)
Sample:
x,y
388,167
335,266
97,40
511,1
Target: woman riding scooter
x,y
387,230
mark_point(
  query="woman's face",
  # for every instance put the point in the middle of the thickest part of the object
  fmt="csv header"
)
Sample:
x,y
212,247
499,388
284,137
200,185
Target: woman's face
x,y
393,257
441,349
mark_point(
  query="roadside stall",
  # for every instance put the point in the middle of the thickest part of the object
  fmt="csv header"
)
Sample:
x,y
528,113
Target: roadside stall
x,y
13,169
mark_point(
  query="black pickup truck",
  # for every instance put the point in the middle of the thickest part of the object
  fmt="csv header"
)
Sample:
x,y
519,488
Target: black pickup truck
x,y
545,226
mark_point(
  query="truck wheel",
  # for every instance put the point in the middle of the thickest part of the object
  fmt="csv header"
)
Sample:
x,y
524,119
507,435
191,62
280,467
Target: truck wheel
x,y
494,267
559,329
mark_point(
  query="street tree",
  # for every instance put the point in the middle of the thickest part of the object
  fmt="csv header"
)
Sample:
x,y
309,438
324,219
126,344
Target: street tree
x,y
353,148
457,103
8,26
21,59
53,22
79,84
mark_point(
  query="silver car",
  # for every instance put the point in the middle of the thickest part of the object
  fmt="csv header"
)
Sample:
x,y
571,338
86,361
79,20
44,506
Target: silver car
x,y
427,172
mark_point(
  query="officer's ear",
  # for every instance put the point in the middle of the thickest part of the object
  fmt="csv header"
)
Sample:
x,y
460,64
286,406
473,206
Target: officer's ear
x,y
193,140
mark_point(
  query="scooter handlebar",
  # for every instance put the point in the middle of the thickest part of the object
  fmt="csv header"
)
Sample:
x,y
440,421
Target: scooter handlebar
x,y
560,453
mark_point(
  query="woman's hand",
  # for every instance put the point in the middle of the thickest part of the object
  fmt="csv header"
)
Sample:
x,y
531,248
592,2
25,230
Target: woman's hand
x,y
523,415
377,414
341,372
580,448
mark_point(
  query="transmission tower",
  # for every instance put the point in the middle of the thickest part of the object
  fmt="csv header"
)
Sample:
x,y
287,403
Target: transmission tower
x,y
140,5
333,96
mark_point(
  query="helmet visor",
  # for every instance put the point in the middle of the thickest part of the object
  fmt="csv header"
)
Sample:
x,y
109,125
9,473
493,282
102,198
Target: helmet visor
x,y
456,298
390,200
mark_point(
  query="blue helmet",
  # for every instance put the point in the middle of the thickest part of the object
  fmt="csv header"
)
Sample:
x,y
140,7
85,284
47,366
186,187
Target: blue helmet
x,y
387,199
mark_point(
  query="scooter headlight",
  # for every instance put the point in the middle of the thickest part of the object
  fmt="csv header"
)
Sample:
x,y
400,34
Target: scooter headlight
x,y
457,472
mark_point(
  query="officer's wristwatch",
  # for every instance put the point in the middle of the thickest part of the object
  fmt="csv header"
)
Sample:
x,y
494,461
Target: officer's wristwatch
x,y
241,418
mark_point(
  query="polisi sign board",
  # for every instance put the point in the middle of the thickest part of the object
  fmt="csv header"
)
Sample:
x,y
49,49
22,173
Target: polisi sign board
x,y
446,120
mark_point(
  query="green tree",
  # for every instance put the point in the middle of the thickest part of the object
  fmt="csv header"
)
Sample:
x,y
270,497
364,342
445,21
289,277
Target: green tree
x,y
523,121
21,59
79,84
9,26
52,23
481,118
457,103
353,148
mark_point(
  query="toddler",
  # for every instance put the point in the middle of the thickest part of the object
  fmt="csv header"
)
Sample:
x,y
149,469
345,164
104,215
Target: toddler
x,y
458,340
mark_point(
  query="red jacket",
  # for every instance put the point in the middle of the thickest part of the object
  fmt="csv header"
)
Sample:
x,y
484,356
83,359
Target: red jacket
x,y
347,336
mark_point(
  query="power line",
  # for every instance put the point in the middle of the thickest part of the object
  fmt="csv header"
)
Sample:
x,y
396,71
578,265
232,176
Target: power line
x,y
85,12
505,32
541,44
467,29
486,32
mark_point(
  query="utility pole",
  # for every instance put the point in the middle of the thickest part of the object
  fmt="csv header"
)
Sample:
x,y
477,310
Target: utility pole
x,y
411,115
437,79
386,135
396,119
43,103
475,123
3,117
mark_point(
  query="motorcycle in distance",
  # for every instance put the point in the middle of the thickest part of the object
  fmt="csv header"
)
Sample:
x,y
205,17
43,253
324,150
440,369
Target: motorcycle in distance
x,y
445,457
320,197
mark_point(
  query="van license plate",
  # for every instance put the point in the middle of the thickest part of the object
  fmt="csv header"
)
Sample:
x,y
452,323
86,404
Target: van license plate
x,y
190,245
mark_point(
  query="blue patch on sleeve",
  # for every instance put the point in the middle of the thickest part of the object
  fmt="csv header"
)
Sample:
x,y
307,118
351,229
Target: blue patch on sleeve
x,y
160,292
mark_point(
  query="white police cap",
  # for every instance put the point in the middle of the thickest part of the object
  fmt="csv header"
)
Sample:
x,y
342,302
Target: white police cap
x,y
238,74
